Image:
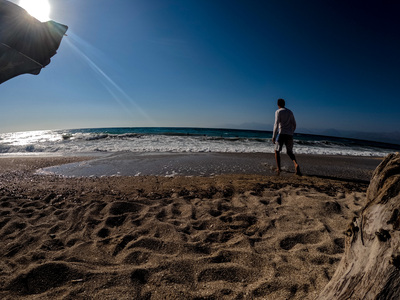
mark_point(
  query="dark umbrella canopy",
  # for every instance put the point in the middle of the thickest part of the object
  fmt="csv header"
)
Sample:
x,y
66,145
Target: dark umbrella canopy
x,y
26,44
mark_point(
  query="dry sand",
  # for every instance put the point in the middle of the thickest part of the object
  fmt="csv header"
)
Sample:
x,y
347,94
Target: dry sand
x,y
153,237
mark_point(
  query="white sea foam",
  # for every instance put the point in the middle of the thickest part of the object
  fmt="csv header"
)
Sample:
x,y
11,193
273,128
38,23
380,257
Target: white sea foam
x,y
70,142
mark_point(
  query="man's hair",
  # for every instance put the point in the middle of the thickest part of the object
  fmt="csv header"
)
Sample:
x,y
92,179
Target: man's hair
x,y
281,102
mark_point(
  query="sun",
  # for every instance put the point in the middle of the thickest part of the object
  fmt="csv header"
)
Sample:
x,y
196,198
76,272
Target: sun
x,y
39,9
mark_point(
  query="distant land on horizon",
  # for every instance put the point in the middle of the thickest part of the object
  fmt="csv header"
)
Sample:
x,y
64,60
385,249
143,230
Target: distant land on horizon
x,y
384,137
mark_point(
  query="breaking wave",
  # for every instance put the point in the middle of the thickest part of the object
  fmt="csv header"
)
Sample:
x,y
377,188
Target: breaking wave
x,y
179,140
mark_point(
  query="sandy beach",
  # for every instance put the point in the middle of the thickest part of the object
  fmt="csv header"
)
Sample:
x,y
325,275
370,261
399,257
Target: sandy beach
x,y
222,235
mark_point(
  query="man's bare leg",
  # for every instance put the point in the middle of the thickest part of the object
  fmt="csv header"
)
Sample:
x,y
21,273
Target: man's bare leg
x,y
296,165
278,162
297,168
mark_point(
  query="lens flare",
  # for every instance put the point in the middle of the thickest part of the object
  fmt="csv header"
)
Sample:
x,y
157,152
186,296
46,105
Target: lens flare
x,y
118,94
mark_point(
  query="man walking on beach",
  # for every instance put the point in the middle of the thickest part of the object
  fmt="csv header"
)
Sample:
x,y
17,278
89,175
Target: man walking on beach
x,y
284,127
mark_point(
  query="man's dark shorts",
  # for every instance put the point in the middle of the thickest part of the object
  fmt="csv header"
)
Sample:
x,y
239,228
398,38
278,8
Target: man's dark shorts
x,y
284,139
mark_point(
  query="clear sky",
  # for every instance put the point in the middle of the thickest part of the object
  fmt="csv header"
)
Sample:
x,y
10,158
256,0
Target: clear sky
x,y
215,63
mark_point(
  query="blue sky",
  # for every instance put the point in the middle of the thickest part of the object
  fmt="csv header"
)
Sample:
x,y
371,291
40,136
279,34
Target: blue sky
x,y
215,64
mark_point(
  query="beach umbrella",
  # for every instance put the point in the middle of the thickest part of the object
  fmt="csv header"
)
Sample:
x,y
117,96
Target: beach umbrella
x,y
26,44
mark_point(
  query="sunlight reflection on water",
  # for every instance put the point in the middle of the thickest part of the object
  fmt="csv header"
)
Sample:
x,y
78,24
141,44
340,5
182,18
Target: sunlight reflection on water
x,y
30,137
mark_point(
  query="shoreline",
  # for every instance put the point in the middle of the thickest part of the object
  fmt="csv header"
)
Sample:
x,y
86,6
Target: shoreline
x,y
210,164
227,236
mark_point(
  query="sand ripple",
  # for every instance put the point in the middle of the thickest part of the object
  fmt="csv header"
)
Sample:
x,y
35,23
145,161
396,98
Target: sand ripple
x,y
226,237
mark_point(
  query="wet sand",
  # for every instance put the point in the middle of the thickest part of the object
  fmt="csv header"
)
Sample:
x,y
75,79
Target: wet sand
x,y
232,233
210,164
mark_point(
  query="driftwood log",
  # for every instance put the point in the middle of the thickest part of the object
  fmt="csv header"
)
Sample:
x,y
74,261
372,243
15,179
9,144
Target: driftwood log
x,y
370,267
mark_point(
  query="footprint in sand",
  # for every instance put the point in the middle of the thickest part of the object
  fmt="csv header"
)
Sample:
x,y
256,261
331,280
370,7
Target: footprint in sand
x,y
302,238
44,277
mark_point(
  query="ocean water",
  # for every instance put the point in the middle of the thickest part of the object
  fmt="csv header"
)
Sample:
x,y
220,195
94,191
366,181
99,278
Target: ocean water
x,y
178,140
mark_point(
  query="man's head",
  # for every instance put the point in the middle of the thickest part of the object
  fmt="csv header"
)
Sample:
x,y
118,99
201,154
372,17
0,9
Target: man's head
x,y
281,103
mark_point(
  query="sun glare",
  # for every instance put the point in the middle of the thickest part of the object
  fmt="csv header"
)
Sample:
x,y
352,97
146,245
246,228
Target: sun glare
x,y
39,9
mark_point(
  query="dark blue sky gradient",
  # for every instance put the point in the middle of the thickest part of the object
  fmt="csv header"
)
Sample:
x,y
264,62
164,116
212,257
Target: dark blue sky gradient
x,y
215,64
